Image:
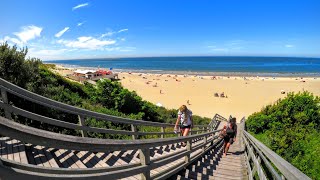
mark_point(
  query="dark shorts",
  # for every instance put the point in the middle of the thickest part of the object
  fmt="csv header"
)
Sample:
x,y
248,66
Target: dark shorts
x,y
228,139
185,127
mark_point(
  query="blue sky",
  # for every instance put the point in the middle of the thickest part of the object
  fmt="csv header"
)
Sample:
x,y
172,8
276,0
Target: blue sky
x,y
71,29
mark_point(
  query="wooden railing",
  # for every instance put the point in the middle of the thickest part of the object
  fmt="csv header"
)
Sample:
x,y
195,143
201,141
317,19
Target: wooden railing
x,y
207,140
82,114
262,161
61,141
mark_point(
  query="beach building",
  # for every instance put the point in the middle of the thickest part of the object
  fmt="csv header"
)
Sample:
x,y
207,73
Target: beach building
x,y
92,75
88,74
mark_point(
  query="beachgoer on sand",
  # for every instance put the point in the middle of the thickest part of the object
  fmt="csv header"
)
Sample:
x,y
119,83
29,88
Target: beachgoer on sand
x,y
229,133
185,121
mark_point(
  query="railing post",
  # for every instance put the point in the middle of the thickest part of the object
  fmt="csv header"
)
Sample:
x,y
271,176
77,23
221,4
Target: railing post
x,y
134,129
187,157
4,96
204,143
162,130
82,123
144,155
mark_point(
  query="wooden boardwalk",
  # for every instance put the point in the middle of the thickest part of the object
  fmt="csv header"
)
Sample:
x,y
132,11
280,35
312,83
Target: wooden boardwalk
x,y
211,166
214,166
30,153
60,158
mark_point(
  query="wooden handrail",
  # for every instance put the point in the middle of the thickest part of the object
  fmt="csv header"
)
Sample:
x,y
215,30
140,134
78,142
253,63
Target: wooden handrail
x,y
257,152
81,113
20,92
61,141
49,139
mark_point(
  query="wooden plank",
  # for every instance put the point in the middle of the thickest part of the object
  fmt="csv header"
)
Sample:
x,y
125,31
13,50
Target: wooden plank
x,y
4,149
71,161
15,150
132,157
22,151
42,156
30,157
104,157
86,160
8,143
36,156
108,158
100,162
61,156
50,158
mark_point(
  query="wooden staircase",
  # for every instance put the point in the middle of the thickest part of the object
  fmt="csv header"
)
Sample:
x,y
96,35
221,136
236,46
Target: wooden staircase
x,y
214,166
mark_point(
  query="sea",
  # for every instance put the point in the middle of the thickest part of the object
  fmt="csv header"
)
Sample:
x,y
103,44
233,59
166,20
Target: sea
x,y
207,65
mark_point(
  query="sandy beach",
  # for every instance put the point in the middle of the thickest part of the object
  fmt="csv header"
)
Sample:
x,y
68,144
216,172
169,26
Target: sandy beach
x,y
244,95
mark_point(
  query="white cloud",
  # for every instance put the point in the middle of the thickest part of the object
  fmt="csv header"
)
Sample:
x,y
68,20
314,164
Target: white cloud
x,y
28,32
79,6
122,30
289,45
80,24
87,42
47,54
11,40
107,34
59,34
110,33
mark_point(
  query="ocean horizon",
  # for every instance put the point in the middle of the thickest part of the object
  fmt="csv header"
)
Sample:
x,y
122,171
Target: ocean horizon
x,y
205,65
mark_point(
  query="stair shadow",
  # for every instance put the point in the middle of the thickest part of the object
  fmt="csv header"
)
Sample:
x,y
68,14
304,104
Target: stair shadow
x,y
209,161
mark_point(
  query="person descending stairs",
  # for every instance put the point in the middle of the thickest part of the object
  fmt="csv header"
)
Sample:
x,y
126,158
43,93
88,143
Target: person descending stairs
x,y
213,165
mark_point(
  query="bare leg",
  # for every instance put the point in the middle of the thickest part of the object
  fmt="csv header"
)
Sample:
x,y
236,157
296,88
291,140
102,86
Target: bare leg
x,y
224,146
226,149
185,133
182,131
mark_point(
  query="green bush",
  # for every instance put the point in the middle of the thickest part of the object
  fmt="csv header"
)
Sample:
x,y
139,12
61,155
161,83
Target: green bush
x,y
290,127
106,97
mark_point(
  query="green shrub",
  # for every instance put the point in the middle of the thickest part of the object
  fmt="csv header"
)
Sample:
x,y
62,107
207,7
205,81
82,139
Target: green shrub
x,y
290,127
107,97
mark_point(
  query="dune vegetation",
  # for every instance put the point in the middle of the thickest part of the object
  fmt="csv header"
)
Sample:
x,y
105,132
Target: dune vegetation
x,y
107,97
291,128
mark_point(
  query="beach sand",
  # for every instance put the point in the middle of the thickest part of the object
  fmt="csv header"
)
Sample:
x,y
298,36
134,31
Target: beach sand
x,y
244,97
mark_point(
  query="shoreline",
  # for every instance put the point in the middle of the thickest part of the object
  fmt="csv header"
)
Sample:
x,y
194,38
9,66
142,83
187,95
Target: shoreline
x,y
199,73
244,95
